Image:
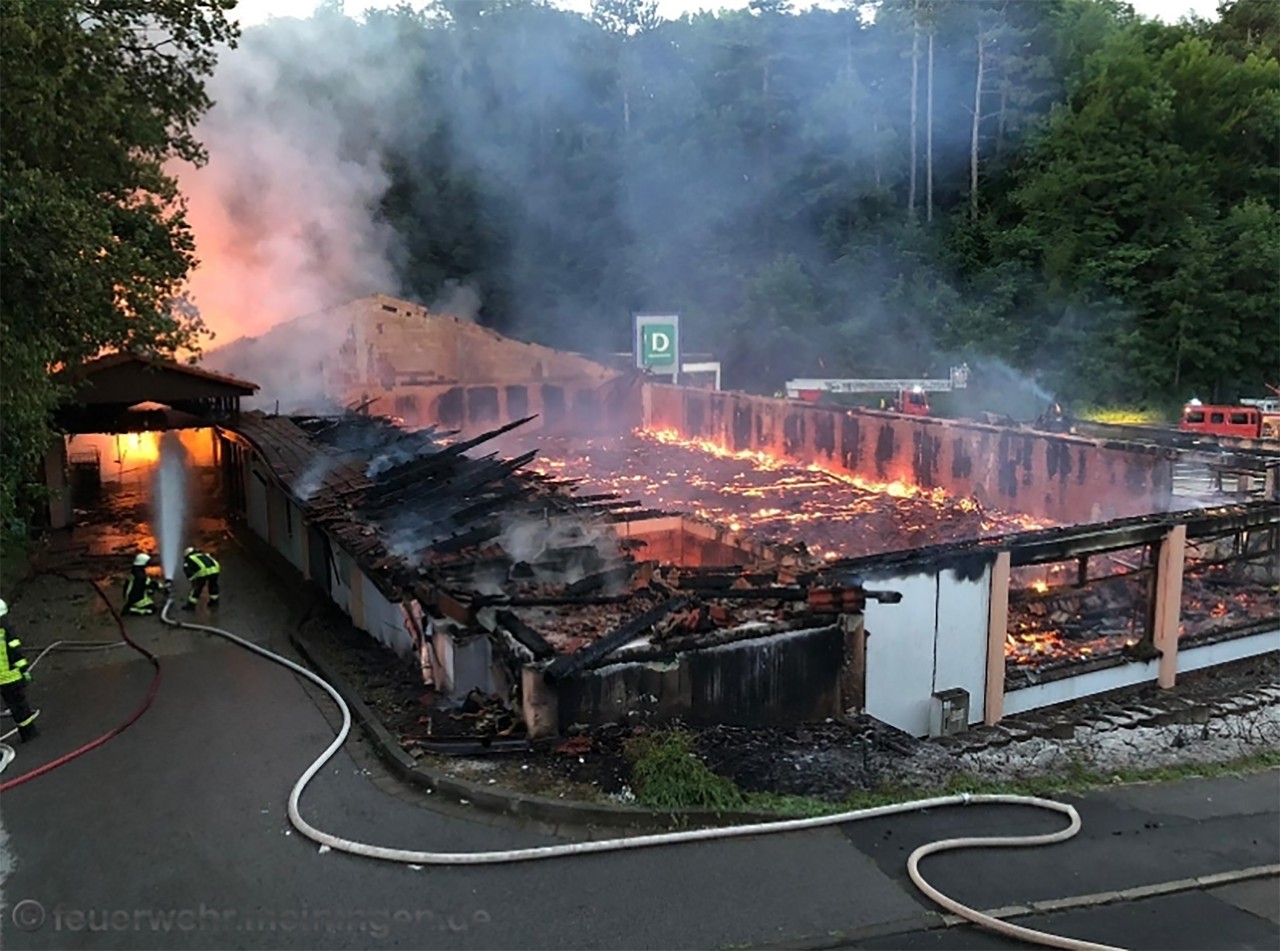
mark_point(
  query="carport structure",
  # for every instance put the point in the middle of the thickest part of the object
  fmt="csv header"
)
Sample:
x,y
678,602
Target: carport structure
x,y
132,393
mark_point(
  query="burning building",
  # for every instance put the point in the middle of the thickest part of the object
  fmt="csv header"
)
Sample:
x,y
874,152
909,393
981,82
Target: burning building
x,y
657,551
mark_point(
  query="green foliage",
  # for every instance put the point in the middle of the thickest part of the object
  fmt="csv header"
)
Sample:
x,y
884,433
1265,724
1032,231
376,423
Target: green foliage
x,y
94,246
668,775
752,169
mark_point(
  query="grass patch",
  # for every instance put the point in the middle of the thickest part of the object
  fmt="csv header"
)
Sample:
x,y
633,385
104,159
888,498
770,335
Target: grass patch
x,y
667,775
1124,415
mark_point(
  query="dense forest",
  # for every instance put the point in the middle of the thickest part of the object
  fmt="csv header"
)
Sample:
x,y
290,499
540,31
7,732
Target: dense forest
x,y
1054,189
1084,195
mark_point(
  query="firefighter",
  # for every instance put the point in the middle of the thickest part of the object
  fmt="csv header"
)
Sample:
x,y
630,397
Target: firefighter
x,y
14,674
139,588
200,568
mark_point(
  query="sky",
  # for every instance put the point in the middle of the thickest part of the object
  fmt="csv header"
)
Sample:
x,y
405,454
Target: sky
x,y
250,12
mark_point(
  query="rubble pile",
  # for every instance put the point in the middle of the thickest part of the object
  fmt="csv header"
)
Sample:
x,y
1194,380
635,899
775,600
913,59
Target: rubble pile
x,y
825,760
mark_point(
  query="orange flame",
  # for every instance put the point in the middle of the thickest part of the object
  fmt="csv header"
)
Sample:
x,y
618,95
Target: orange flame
x,y
767,462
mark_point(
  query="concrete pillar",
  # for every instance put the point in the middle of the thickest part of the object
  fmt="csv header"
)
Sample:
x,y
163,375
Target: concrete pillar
x,y
997,631
540,705
1168,602
55,479
853,678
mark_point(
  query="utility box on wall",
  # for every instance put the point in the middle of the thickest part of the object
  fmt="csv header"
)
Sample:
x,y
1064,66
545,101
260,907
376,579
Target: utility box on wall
x,y
949,713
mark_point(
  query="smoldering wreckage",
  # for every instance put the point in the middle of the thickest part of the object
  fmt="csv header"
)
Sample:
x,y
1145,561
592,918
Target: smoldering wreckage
x,y
550,553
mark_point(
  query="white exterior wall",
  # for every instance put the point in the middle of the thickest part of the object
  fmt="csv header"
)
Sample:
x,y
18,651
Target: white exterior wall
x,y
384,619
961,658
1224,652
256,500
934,639
900,652
340,572
1127,675
1081,685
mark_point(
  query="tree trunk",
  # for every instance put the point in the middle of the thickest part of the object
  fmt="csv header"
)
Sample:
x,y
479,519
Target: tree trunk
x,y
875,152
1004,107
928,134
977,122
915,83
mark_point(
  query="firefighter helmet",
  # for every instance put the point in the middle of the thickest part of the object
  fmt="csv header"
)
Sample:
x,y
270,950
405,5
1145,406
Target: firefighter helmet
x,y
141,559
189,551
4,609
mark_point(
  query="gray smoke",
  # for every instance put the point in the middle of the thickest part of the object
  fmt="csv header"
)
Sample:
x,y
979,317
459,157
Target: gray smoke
x,y
457,299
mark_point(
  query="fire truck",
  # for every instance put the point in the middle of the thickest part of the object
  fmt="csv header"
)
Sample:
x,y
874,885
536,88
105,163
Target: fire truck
x,y
910,396
1251,419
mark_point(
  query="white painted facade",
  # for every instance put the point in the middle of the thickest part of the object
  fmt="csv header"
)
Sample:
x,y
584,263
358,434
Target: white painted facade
x,y
934,639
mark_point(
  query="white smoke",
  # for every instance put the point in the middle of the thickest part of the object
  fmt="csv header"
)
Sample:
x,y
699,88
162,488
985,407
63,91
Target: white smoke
x,y
312,479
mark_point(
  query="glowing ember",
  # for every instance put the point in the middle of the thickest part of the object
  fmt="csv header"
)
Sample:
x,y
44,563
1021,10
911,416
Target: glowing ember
x,y
835,514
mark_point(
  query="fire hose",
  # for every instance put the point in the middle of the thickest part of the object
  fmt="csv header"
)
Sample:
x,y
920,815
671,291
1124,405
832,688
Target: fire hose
x,y
7,754
328,841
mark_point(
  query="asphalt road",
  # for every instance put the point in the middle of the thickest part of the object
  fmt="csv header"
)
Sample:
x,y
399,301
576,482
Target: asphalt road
x,y
174,835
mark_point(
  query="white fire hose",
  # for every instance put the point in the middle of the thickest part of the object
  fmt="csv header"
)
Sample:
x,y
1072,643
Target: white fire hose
x,y
696,835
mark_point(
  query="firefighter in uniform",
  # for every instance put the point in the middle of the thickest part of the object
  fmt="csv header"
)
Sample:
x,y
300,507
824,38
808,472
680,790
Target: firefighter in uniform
x,y
14,674
201,568
139,588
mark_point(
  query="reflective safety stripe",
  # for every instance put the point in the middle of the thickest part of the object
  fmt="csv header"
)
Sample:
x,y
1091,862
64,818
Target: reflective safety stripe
x,y
201,565
28,721
9,673
142,602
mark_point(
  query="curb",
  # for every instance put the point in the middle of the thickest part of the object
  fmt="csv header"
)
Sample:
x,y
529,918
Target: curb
x,y
1137,893
494,799
935,921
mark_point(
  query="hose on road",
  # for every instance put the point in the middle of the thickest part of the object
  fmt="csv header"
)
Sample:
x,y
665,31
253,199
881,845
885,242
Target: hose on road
x,y
7,754
412,857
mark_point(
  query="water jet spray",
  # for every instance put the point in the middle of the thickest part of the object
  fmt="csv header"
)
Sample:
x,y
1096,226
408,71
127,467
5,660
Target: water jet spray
x,y
170,502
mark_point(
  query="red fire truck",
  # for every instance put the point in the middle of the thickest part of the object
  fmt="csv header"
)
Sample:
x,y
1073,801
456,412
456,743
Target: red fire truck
x,y
909,395
1241,422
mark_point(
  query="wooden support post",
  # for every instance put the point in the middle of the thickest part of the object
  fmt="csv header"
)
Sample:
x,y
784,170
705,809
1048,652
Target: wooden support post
x,y
55,479
1168,602
997,631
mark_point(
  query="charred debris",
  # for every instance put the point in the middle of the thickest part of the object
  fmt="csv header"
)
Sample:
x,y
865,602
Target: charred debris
x,y
486,548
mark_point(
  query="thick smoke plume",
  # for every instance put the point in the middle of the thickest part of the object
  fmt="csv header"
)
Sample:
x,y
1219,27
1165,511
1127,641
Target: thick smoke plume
x,y
284,211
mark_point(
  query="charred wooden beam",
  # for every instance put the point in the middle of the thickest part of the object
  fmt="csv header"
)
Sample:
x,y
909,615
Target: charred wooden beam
x,y
637,516
525,634
569,664
616,575
555,600
474,536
